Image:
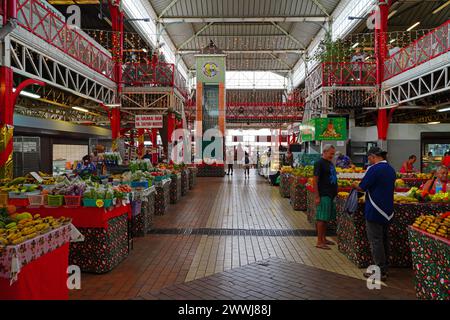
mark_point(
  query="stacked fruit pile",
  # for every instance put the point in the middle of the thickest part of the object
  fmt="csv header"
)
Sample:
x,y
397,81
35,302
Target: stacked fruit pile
x,y
350,170
439,226
18,228
286,169
305,172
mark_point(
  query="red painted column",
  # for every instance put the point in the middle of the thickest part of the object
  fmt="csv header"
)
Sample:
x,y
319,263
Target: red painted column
x,y
154,146
115,128
381,27
141,146
6,122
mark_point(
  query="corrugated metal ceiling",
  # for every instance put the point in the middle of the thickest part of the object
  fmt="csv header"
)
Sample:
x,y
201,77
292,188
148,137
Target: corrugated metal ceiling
x,y
244,36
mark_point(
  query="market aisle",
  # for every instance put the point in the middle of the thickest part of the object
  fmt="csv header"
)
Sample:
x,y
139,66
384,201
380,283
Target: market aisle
x,y
223,224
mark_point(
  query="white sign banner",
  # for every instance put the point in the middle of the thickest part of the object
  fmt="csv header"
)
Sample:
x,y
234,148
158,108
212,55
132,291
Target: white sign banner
x,y
147,121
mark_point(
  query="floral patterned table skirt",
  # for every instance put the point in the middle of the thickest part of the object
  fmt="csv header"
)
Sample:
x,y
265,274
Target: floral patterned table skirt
x,y
143,222
298,194
311,211
192,177
14,258
175,189
184,182
352,238
162,198
431,264
103,249
285,186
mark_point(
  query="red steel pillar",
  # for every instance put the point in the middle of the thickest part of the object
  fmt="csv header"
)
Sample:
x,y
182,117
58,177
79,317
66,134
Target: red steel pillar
x,y
141,140
117,21
381,27
154,146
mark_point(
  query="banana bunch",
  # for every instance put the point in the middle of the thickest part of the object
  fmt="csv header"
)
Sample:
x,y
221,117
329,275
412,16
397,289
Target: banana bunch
x,y
343,194
404,199
434,225
25,229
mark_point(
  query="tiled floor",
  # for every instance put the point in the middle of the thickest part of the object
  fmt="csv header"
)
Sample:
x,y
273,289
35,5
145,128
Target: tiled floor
x,y
275,279
159,261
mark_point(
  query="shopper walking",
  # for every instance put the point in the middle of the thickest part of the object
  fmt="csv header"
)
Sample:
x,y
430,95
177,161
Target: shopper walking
x,y
230,160
379,185
325,188
246,165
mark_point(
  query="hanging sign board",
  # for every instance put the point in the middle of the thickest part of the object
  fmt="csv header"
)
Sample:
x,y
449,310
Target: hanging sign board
x,y
148,121
331,129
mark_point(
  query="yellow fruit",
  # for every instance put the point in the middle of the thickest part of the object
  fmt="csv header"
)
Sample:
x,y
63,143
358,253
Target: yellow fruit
x,y
32,235
18,240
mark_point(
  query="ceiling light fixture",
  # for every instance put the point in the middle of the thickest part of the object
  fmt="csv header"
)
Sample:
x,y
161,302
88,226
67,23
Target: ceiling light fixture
x,y
392,14
355,45
441,7
28,94
80,109
434,122
393,40
113,105
413,26
443,110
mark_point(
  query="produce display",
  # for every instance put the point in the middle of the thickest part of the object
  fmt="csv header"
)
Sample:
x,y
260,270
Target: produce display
x,y
439,226
350,170
17,228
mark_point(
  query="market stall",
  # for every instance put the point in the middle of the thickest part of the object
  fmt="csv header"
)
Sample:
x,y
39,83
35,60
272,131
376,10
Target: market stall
x,y
352,238
429,240
162,196
184,181
175,188
143,208
285,185
298,193
33,266
192,176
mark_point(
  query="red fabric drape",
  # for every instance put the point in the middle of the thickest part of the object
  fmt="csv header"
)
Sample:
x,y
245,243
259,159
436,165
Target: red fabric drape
x,y
43,279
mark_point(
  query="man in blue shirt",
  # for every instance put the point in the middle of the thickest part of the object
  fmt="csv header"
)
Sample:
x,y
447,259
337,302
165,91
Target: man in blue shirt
x,y
379,185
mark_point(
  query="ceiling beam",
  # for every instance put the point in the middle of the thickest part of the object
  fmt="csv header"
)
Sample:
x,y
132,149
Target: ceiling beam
x,y
241,19
299,52
195,35
166,9
252,70
321,7
290,36
280,60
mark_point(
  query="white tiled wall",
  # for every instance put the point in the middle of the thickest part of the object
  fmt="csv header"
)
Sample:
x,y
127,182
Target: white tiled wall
x,y
69,152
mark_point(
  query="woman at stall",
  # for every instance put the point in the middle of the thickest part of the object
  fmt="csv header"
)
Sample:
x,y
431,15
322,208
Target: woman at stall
x,y
439,183
408,165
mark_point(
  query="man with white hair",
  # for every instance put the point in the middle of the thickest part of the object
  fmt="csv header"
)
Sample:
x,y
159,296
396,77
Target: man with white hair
x,y
325,188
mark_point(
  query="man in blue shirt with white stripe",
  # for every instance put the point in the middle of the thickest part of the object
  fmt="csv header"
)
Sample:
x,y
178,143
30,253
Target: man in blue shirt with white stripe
x,y
379,185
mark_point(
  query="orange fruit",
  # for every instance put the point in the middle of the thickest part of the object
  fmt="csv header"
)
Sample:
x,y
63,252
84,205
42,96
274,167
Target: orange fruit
x,y
11,209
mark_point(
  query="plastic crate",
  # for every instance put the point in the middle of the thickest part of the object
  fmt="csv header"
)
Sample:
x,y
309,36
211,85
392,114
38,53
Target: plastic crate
x,y
36,200
159,178
22,195
3,199
72,201
107,203
139,184
55,201
89,202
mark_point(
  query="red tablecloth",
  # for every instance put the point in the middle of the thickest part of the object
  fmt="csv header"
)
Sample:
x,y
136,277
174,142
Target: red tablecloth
x,y
43,279
83,217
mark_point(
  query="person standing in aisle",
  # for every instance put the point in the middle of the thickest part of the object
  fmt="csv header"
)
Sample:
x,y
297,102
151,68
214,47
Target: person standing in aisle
x,y
230,160
325,189
379,185
246,165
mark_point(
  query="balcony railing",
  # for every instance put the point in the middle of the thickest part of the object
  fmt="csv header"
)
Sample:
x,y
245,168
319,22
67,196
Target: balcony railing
x,y
329,74
39,19
428,47
152,75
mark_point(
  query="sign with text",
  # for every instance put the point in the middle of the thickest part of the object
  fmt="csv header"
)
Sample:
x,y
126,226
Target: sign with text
x,y
147,121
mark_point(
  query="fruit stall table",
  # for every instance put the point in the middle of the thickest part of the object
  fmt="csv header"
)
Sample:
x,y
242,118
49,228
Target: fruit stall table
x,y
184,181
192,176
285,185
162,196
352,237
431,264
37,268
143,209
298,193
105,231
175,188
